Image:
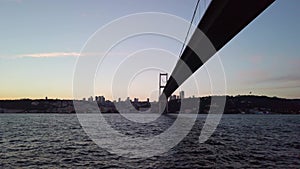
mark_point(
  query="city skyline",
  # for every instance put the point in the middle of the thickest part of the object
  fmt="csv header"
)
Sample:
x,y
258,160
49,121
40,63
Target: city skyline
x,y
38,49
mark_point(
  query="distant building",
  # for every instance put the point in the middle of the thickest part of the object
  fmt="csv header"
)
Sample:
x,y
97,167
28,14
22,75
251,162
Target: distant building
x,y
173,97
101,99
119,100
84,99
181,94
136,100
90,99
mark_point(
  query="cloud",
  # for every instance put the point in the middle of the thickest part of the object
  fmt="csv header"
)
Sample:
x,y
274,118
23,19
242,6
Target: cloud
x,y
266,78
84,14
257,59
295,63
50,55
287,78
290,81
62,54
254,74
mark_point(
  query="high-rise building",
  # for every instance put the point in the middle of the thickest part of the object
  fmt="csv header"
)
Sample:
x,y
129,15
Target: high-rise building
x,y
101,99
181,94
90,99
136,100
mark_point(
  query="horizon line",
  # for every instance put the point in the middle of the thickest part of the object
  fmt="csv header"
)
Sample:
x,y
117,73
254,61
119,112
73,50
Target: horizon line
x,y
72,99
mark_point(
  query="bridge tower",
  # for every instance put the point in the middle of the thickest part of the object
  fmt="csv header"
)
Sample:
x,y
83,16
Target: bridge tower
x,y
163,78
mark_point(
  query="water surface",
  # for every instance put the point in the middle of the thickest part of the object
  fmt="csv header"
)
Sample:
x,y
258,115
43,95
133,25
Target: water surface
x,y
240,141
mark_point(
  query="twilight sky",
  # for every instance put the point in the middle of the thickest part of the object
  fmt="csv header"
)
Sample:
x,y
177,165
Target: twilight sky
x,y
41,40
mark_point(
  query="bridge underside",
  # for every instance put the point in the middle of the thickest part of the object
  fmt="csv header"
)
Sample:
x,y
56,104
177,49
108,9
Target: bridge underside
x,y
223,20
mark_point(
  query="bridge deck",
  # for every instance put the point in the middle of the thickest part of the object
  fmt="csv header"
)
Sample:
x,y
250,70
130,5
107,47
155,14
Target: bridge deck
x,y
222,20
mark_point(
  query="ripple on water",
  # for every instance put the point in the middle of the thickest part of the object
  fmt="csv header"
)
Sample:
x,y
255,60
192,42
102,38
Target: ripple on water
x,y
240,141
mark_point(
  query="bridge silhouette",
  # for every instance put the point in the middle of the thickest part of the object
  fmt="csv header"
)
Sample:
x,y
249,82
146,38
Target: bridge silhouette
x,y
221,21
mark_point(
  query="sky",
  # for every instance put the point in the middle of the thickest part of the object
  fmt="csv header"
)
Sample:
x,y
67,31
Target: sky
x,y
40,42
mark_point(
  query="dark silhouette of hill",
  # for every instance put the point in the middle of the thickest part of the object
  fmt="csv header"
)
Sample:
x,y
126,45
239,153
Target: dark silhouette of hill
x,y
244,104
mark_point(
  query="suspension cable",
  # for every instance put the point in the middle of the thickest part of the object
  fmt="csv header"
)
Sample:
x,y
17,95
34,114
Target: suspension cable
x,y
194,14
